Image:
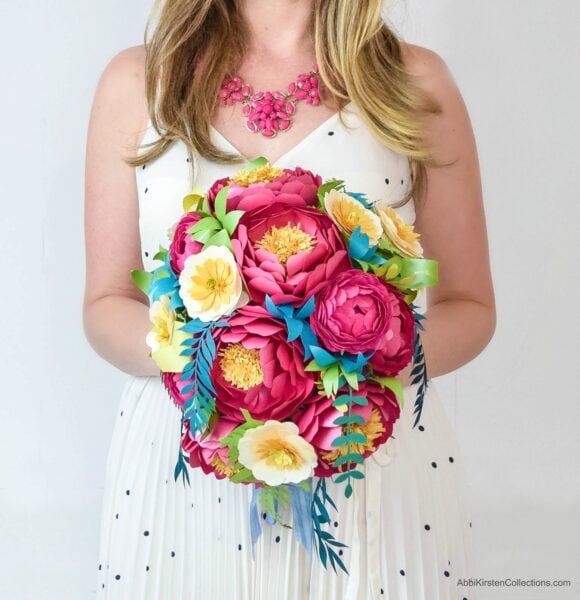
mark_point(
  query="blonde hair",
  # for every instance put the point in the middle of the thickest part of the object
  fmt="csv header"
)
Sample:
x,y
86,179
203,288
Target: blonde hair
x,y
196,43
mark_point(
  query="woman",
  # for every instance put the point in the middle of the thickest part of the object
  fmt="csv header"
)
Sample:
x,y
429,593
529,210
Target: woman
x,y
391,121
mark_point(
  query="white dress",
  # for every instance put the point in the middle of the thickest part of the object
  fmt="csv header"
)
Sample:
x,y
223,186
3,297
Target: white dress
x,y
406,526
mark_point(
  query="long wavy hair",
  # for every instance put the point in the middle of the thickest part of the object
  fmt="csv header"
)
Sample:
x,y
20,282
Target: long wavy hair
x,y
196,43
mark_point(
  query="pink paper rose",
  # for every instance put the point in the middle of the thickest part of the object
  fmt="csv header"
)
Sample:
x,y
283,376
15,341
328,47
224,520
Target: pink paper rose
x,y
258,369
205,450
315,422
353,312
182,246
397,345
288,252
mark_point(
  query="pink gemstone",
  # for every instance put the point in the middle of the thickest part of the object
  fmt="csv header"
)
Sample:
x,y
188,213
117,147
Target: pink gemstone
x,y
282,115
314,81
316,101
275,124
285,125
246,109
251,126
258,96
237,96
278,95
306,86
291,88
290,108
268,133
268,108
246,90
300,95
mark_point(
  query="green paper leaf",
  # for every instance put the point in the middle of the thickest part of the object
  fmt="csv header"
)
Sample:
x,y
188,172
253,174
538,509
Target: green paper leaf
x,y
394,384
202,236
220,202
353,457
220,238
330,380
160,254
208,222
231,220
352,418
351,378
142,279
258,162
352,438
243,475
313,366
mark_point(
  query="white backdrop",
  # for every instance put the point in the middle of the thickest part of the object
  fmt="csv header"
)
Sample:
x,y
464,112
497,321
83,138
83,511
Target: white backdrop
x,y
515,408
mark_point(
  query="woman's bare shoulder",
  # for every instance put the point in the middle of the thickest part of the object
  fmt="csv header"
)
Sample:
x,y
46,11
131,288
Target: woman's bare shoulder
x,y
429,68
121,91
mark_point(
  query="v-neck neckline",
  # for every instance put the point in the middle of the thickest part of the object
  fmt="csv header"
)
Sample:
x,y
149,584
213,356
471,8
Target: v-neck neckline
x,y
300,145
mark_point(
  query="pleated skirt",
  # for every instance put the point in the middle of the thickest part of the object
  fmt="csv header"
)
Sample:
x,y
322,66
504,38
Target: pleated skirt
x,y
407,527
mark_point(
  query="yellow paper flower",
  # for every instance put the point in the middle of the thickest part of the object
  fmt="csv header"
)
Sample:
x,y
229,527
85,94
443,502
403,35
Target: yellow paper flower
x,y
162,318
210,284
165,337
401,235
277,454
263,174
349,214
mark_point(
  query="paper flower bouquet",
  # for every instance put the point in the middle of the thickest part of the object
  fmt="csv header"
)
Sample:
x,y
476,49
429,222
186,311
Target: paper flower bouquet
x,y
282,313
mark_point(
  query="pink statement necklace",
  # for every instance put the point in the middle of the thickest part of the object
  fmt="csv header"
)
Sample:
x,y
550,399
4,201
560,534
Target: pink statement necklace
x,y
271,112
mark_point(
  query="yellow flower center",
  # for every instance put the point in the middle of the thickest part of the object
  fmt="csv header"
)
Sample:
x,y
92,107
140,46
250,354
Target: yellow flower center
x,y
349,216
372,429
220,466
212,283
263,174
241,366
277,453
286,241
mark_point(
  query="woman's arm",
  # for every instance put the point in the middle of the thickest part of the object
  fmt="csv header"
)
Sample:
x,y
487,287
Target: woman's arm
x,y
115,313
460,317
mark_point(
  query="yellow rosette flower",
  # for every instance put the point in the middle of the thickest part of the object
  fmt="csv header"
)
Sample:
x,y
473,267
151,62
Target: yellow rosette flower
x,y
349,214
211,284
277,454
165,337
400,234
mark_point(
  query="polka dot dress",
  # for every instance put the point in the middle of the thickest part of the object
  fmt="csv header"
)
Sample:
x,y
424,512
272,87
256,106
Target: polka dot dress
x,y
406,527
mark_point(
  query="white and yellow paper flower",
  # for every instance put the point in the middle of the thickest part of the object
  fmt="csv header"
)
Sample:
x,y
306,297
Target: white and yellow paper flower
x,y
276,454
211,284
401,235
349,214
165,337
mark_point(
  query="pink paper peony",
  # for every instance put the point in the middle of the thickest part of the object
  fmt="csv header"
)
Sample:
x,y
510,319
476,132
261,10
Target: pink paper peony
x,y
174,386
397,345
205,450
288,252
353,312
258,369
315,422
296,187
182,246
